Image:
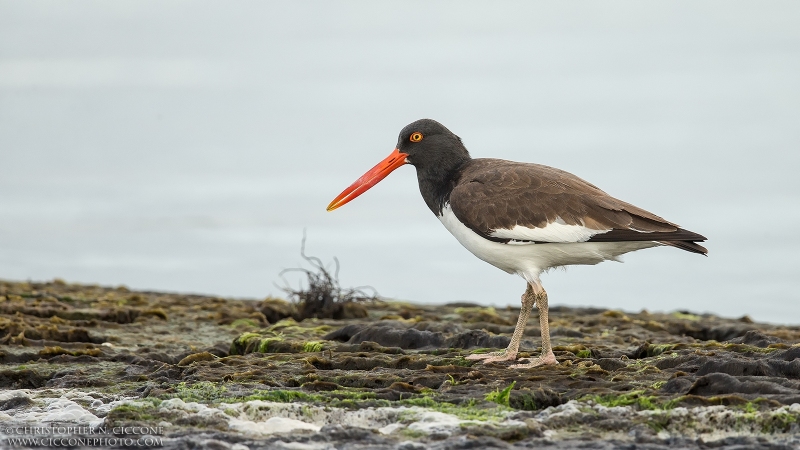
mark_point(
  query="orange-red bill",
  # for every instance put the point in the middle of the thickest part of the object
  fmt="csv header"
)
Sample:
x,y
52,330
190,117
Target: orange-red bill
x,y
369,179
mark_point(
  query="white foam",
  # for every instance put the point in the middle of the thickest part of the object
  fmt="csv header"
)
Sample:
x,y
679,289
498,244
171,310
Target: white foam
x,y
58,410
271,426
391,428
261,418
436,422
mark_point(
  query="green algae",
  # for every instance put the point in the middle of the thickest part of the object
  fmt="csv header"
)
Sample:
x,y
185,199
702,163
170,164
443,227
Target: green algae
x,y
468,410
482,350
746,417
413,434
312,346
685,316
286,336
779,422
476,314
281,324
637,398
744,348
212,393
200,392
656,350
244,323
264,344
488,310
244,340
574,348
281,396
501,397
144,410
49,352
458,361
216,393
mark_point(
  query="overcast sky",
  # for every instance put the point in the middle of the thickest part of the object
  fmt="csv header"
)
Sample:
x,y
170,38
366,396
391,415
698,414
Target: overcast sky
x,y
186,145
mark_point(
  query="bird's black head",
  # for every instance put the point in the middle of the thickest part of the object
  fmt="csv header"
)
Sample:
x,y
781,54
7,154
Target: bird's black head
x,y
432,149
431,146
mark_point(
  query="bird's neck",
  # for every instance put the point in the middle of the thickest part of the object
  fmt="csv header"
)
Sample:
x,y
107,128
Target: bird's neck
x,y
436,181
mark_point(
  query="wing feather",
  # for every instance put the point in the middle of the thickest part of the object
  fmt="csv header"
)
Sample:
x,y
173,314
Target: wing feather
x,y
503,200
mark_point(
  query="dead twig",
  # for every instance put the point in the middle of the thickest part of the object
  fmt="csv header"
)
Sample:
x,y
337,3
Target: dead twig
x,y
324,298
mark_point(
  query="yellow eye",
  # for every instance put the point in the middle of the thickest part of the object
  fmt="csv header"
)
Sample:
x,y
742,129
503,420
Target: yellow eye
x,y
415,136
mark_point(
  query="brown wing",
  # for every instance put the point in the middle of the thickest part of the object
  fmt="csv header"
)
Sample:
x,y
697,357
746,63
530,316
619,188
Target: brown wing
x,y
494,194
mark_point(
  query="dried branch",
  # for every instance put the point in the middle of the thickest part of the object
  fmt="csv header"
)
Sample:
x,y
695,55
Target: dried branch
x,y
323,298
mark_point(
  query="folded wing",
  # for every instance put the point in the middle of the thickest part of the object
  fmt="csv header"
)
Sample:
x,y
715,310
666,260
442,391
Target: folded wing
x,y
521,203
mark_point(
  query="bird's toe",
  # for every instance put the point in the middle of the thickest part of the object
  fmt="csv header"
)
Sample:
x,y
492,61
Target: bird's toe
x,y
483,356
546,360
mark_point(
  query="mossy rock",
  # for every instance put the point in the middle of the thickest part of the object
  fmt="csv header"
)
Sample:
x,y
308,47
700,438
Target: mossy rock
x,y
534,399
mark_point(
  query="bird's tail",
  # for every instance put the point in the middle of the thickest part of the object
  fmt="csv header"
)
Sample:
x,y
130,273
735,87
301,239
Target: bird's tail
x,y
689,246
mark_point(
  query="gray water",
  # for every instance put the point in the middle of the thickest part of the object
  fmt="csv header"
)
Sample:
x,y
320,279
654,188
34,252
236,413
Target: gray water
x,y
184,146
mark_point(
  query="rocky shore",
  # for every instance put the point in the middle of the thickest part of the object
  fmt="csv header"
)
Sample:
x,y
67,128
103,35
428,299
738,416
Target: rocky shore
x,y
189,371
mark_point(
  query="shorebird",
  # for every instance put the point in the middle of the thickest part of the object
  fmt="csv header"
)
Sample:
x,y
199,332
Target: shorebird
x,y
519,217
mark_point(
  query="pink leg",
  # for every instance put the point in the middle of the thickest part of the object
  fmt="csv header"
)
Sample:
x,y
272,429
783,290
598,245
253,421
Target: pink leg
x,y
547,357
510,353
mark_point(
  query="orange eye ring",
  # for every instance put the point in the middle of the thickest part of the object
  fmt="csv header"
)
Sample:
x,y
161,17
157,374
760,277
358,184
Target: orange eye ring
x,y
415,136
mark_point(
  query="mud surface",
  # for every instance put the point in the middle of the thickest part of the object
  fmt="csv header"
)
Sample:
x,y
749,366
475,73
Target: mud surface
x,y
206,372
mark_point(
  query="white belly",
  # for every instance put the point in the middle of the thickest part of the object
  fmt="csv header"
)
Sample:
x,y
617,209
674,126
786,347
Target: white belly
x,y
529,259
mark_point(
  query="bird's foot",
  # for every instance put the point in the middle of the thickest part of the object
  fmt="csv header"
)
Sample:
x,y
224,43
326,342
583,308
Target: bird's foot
x,y
544,360
487,358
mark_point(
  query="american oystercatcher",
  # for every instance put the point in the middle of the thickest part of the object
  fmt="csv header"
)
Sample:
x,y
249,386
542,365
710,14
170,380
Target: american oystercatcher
x,y
519,217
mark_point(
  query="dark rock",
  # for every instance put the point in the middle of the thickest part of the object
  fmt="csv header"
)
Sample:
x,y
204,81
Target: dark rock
x,y
387,336
219,350
566,332
735,367
717,333
610,364
580,312
196,357
477,338
15,402
408,445
369,346
786,355
275,309
671,363
605,353
722,383
756,339
72,378
159,356
200,421
347,332
534,399
471,442
760,367
404,387
318,385
612,424
22,379
438,327
679,385
463,305
349,434
214,444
